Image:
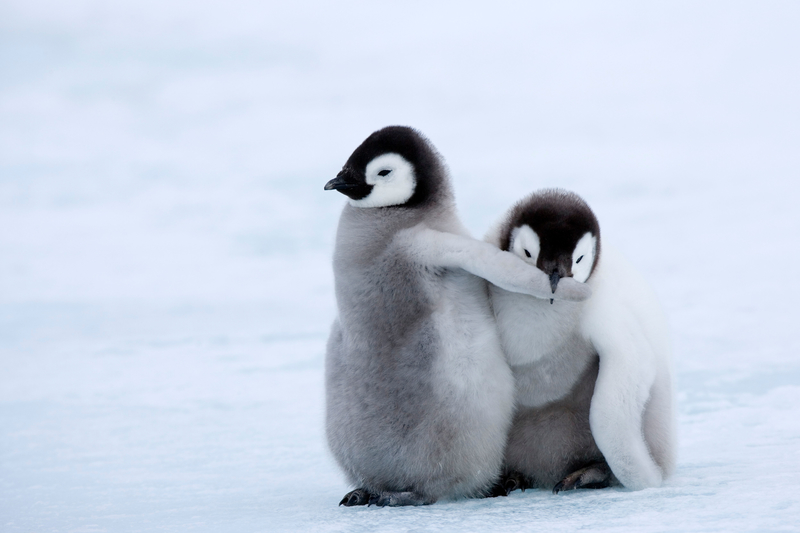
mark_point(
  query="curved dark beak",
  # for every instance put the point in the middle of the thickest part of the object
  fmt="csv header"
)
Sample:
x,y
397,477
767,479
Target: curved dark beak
x,y
343,180
554,278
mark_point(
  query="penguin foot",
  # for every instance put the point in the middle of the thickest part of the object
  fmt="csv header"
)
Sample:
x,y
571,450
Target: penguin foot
x,y
397,499
509,482
594,476
356,497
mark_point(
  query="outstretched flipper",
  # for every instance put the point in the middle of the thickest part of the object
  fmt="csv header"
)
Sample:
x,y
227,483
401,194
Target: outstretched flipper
x,y
594,476
504,269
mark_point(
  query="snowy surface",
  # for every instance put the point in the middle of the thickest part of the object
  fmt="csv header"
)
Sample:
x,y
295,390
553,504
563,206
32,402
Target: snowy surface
x,y
165,242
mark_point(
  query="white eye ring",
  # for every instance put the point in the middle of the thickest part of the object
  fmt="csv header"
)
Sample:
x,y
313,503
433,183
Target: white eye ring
x,y
393,181
525,243
586,248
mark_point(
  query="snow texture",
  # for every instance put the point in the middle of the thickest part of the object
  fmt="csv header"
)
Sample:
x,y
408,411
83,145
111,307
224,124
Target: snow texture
x,y
165,242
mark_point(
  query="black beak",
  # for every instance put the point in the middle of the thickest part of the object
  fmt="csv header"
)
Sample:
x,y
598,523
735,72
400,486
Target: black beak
x,y
343,180
554,278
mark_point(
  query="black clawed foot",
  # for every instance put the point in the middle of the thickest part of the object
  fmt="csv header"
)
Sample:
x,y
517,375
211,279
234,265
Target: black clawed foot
x,y
356,497
508,483
594,476
398,499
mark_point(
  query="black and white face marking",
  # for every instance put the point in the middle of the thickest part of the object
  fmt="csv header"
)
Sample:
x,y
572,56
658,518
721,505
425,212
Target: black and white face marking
x,y
583,257
392,179
395,166
556,231
525,243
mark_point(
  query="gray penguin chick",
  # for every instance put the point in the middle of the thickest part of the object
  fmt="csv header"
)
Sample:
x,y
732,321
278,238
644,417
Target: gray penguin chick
x,y
594,379
419,397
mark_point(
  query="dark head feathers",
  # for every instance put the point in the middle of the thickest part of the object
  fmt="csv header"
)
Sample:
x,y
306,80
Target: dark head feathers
x,y
560,218
429,169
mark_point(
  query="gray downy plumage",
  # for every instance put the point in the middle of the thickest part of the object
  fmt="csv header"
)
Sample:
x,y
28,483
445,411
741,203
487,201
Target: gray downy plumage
x,y
419,397
565,433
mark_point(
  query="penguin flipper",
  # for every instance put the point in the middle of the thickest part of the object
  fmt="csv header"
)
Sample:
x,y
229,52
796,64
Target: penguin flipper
x,y
504,269
620,396
625,325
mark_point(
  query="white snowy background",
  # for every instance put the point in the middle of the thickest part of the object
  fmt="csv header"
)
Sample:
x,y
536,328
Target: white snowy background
x,y
165,242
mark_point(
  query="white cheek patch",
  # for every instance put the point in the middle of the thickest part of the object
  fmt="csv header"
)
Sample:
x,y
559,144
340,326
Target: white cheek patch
x,y
392,188
583,257
524,239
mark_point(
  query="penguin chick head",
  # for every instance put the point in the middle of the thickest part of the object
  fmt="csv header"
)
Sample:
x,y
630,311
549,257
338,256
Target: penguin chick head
x,y
395,166
556,231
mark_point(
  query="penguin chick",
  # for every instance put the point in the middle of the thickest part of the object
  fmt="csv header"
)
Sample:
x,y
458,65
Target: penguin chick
x,y
594,380
419,397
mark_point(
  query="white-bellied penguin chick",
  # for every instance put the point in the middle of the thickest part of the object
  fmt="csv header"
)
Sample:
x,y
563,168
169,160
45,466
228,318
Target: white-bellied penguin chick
x,y
594,379
419,397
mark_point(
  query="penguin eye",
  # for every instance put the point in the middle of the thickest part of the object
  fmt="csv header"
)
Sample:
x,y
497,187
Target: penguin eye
x,y
384,172
529,254
579,260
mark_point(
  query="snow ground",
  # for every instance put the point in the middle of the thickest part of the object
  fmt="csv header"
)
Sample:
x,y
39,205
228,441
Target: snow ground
x,y
165,242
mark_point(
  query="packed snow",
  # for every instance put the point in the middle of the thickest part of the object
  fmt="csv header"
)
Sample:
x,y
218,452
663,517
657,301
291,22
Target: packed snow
x,y
165,242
